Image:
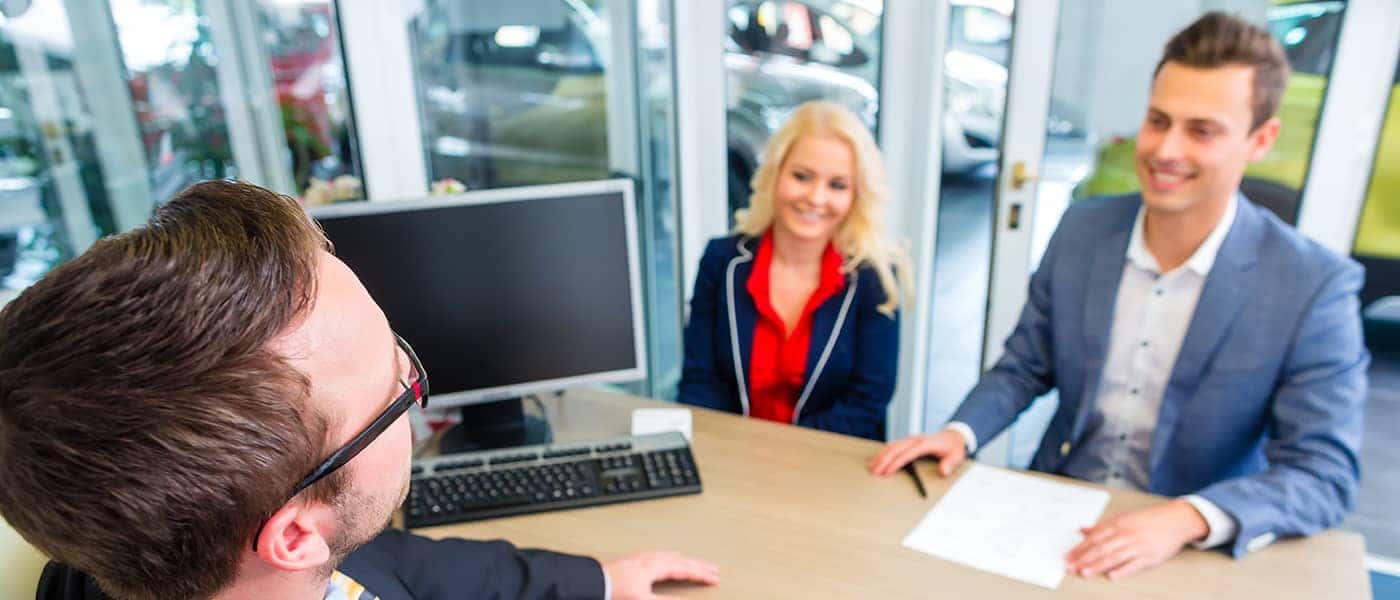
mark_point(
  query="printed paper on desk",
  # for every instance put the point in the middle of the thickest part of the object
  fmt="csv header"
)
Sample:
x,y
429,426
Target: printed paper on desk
x,y
657,420
1008,523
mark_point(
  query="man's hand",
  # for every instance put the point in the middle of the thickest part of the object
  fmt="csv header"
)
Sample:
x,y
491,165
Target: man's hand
x,y
633,576
1137,540
947,446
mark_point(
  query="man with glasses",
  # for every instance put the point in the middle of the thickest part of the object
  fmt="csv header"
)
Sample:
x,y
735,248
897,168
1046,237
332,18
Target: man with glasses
x,y
213,406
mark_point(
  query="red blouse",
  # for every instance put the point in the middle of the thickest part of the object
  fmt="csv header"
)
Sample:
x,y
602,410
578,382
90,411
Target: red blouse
x,y
778,362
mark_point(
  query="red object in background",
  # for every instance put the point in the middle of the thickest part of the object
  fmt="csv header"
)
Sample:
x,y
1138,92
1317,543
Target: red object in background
x,y
298,60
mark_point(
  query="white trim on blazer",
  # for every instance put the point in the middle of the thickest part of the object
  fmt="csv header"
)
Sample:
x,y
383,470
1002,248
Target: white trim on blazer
x,y
745,256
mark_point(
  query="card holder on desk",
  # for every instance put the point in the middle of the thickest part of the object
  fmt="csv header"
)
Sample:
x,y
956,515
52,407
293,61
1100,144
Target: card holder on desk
x,y
658,420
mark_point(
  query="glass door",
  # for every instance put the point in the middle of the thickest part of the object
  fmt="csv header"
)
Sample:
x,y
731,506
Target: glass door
x,y
1028,116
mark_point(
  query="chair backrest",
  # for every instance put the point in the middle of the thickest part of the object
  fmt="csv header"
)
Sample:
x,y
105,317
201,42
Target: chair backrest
x,y
20,564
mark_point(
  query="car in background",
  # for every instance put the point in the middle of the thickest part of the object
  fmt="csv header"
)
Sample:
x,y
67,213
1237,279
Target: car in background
x,y
513,104
781,53
510,104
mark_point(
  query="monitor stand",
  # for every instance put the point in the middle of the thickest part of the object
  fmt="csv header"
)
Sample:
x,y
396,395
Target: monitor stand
x,y
494,425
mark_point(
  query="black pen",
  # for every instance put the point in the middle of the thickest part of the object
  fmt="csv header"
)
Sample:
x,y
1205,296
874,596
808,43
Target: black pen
x,y
909,468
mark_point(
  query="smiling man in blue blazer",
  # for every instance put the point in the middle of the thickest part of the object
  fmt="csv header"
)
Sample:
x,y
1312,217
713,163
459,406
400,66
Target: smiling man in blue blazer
x,y
1203,350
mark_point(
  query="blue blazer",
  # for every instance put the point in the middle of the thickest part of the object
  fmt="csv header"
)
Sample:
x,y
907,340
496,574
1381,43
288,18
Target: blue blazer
x,y
850,365
1262,412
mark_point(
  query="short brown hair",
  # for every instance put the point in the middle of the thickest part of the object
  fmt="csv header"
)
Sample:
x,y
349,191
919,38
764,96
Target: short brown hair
x,y
146,427
1218,39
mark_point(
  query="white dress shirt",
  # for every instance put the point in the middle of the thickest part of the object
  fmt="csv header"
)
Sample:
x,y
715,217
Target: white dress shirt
x,y
1151,316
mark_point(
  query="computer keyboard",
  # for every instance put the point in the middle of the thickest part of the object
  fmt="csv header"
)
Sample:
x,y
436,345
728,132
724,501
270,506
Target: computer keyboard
x,y
529,479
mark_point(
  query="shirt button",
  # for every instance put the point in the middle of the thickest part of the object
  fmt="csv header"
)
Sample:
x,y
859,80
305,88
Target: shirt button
x,y
1144,343
1122,437
1158,291
1064,448
1133,391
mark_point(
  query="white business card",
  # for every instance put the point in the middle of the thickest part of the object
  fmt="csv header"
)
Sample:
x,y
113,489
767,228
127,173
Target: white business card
x,y
657,420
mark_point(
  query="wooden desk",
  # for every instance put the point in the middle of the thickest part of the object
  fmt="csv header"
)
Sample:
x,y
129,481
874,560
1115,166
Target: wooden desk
x,y
792,513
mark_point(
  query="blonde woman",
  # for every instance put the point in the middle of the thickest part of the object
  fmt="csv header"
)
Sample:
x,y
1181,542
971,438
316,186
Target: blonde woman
x,y
795,316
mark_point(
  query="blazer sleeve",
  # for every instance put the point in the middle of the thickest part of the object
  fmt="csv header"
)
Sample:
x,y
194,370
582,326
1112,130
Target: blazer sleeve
x,y
398,564
1026,367
62,582
1314,429
860,406
701,383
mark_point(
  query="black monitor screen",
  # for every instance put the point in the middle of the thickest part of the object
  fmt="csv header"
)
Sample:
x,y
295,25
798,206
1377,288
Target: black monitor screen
x,y
504,293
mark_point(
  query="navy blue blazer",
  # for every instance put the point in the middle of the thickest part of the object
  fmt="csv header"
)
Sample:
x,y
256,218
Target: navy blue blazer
x,y
397,565
850,365
1262,412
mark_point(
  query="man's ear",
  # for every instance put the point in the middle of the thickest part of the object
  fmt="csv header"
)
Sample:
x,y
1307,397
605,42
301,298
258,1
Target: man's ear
x,y
1262,139
297,537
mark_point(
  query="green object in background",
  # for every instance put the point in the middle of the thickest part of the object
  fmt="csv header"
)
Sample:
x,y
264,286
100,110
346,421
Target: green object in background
x,y
1308,30
1378,233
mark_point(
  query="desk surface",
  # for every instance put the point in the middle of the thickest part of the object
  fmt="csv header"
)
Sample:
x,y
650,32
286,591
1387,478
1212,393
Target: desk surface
x,y
792,513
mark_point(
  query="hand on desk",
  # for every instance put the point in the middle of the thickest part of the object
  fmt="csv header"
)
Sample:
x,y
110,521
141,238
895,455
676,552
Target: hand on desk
x,y
1134,541
947,446
633,576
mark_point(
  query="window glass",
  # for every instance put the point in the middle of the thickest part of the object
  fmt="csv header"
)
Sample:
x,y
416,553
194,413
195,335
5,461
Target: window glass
x,y
104,114
780,54
1308,32
1378,249
170,58
308,71
53,201
1378,232
985,26
512,93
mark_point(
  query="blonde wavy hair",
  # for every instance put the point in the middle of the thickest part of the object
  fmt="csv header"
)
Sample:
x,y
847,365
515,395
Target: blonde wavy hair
x,y
861,239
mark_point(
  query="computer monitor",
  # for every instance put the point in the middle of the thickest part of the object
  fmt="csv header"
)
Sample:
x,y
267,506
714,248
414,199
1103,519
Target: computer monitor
x,y
504,293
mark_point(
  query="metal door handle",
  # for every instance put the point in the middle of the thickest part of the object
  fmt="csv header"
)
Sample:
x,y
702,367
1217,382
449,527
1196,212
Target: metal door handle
x,y
1020,175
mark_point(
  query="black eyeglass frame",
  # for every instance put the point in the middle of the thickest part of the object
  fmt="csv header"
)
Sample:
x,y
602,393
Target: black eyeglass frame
x,y
415,391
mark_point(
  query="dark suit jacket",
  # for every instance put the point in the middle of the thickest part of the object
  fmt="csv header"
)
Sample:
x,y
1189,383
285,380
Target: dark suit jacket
x,y
1262,413
850,365
401,566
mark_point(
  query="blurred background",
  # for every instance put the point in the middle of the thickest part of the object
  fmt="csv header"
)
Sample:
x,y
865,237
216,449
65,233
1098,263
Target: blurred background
x,y
109,107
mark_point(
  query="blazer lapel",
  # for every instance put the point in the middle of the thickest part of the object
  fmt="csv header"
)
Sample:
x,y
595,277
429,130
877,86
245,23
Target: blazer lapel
x,y
824,324
1100,296
745,312
1221,299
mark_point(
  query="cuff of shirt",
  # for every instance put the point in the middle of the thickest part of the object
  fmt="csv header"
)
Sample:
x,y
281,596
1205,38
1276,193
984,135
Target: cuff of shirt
x,y
967,434
1221,525
607,585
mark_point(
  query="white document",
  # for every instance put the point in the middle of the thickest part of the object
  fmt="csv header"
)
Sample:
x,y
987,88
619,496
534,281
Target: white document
x,y
658,420
1008,523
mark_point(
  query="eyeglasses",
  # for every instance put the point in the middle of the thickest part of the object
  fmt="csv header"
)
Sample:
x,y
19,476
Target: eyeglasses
x,y
415,391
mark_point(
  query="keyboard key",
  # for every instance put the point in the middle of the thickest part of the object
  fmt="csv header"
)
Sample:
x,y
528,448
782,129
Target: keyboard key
x,y
468,487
